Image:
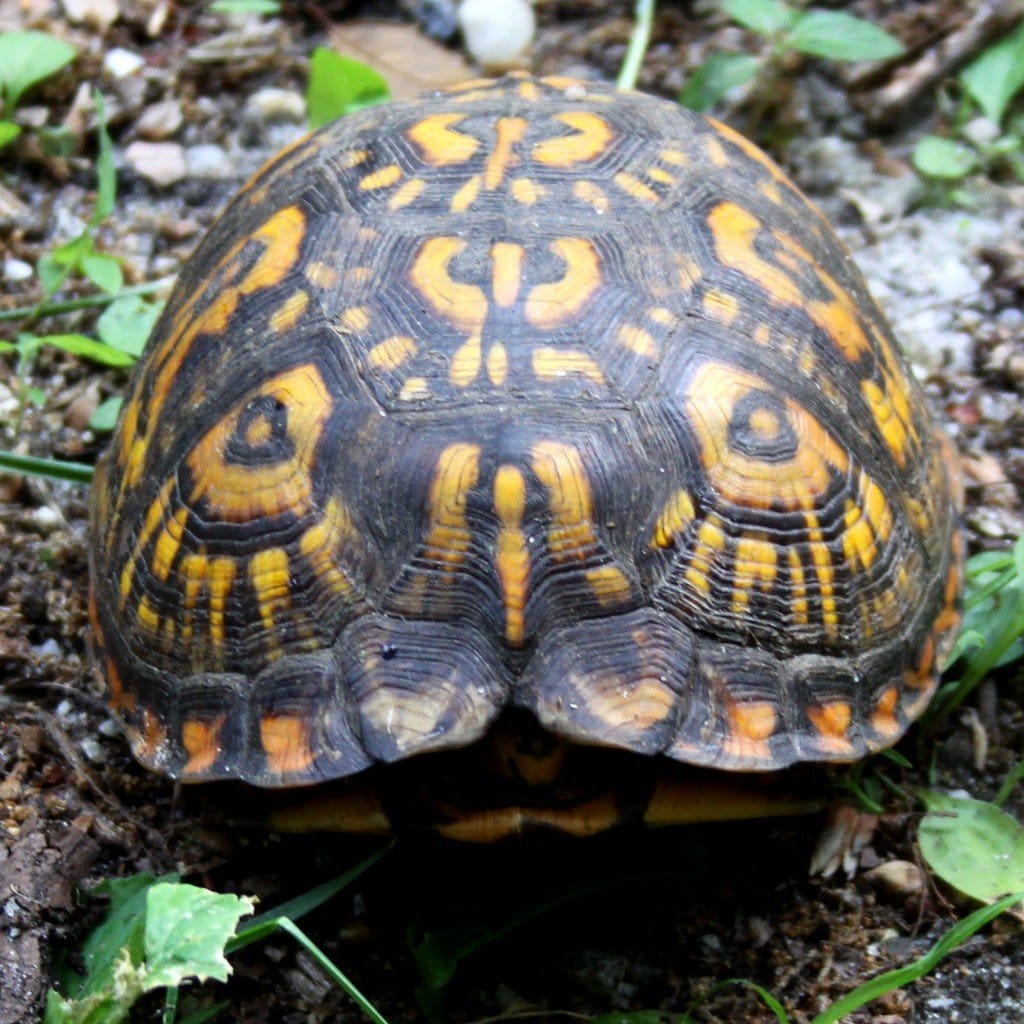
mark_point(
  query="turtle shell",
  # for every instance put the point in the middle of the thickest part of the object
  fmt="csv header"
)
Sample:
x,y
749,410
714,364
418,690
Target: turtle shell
x,y
527,394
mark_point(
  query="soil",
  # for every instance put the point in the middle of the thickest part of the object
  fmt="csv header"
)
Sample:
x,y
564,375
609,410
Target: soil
x,y
652,921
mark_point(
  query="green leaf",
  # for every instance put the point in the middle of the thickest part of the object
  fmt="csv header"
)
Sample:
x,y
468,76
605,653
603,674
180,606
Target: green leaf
x,y
994,78
27,58
339,85
127,323
88,348
718,75
9,131
106,178
104,271
187,929
246,7
943,158
841,36
972,845
1013,777
764,16
104,419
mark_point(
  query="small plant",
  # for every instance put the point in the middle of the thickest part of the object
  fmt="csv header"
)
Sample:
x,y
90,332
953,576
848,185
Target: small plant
x,y
339,85
26,58
833,35
246,7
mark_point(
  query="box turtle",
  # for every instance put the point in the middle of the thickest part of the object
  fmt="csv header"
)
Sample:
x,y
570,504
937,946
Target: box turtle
x,y
529,417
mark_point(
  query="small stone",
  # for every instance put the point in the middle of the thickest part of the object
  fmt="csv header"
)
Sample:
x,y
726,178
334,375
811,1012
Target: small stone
x,y
209,161
63,709
108,727
497,33
980,131
100,14
46,519
160,163
276,105
94,750
120,63
900,877
17,270
160,121
48,649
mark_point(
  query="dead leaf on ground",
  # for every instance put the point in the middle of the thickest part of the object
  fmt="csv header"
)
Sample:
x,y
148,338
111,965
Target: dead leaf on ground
x,y
409,61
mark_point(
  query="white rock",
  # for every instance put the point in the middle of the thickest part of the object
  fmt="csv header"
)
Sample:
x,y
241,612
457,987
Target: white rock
x,y
17,270
46,519
276,105
209,161
497,33
99,14
120,63
160,120
160,163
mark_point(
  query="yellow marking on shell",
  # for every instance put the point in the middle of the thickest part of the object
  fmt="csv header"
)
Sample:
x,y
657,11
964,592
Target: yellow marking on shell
x,y
765,424
721,306
512,556
708,546
798,603
440,145
529,91
413,389
831,721
674,157
154,518
590,136
389,175
689,270
324,544
147,743
355,319
883,718
467,195
892,422
465,363
635,188
201,740
858,538
821,560
269,574
662,316
677,513
763,335
507,272
350,158
593,195
508,132
392,352
406,194
461,304
796,483
608,584
559,302
922,675
753,719
716,152
560,470
551,363
455,475
321,275
661,176
147,615
637,340
238,493
289,312
167,544
755,153
259,432
770,191
222,576
756,565
527,192
286,743
497,364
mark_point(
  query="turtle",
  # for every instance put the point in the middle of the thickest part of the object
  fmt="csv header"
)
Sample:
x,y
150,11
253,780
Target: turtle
x,y
541,437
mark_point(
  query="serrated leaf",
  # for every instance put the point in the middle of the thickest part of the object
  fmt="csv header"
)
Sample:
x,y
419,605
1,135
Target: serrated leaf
x,y
104,419
339,85
127,323
841,36
9,131
88,348
764,16
187,929
104,271
943,158
994,78
973,845
719,74
27,58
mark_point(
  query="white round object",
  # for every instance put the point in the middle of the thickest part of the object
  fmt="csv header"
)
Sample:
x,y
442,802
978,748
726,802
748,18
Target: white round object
x,y
497,33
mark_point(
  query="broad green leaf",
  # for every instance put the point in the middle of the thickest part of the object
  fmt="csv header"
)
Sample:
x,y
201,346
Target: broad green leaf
x,y
841,36
339,85
9,131
719,74
187,929
245,6
88,348
764,16
972,845
104,419
994,78
104,271
943,158
127,323
27,58
106,178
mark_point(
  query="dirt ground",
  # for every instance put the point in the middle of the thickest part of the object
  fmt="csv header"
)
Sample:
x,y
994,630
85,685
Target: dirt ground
x,y
628,922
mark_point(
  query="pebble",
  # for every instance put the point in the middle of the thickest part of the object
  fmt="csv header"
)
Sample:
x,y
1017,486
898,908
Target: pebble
x,y
120,63
17,270
109,727
276,105
94,750
160,163
100,14
209,161
498,33
48,649
46,519
160,121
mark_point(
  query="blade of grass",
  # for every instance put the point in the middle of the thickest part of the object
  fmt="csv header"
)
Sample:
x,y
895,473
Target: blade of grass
x,y
100,299
638,42
51,469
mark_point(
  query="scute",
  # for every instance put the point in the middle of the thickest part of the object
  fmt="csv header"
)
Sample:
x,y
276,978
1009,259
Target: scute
x,y
525,397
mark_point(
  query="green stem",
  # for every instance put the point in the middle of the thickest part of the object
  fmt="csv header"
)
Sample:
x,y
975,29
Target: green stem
x,y
70,305
638,42
52,469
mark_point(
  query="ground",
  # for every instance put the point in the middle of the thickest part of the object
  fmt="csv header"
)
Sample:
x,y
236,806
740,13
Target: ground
x,y
630,922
